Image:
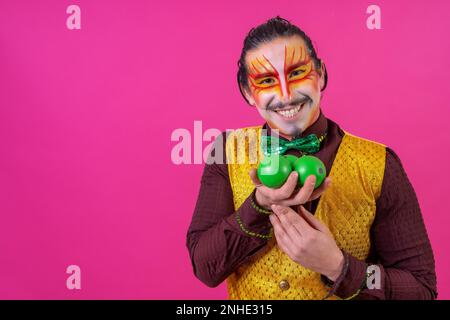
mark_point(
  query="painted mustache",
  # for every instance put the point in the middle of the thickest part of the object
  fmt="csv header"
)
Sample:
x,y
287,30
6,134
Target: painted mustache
x,y
280,105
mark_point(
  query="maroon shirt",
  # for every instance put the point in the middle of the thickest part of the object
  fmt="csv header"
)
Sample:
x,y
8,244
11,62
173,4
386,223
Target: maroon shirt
x,y
400,244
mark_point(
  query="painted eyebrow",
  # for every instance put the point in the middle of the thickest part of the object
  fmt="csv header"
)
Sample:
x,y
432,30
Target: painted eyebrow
x,y
263,75
295,66
268,73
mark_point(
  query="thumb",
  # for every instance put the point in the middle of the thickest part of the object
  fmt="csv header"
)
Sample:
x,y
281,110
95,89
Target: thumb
x,y
254,177
313,221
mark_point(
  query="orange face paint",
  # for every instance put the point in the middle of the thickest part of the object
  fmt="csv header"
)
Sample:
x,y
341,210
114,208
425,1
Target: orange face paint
x,y
284,84
264,78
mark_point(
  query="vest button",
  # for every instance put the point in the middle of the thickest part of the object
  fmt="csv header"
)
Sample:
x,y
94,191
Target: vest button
x,y
284,285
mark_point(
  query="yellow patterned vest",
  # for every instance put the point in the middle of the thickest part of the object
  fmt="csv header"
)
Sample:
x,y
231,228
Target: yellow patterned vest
x,y
347,208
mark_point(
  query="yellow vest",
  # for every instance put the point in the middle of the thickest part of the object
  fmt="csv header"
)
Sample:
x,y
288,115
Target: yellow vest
x,y
347,208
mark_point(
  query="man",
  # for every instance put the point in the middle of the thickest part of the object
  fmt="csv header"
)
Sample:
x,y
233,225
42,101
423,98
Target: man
x,y
363,223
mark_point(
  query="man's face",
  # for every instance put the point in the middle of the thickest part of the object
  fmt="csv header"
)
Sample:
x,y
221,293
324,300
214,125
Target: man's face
x,y
284,84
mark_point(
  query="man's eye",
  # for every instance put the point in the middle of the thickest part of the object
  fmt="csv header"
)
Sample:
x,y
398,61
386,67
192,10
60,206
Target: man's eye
x,y
267,81
295,73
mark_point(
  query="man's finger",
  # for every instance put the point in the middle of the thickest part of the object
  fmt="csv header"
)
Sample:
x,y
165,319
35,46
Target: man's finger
x,y
286,248
320,190
312,220
254,176
294,224
285,191
281,193
303,194
283,241
279,230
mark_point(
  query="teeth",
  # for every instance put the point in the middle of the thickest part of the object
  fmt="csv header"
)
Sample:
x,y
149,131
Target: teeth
x,y
289,113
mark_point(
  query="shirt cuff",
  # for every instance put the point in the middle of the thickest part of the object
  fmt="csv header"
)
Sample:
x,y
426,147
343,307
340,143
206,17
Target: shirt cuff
x,y
350,281
252,219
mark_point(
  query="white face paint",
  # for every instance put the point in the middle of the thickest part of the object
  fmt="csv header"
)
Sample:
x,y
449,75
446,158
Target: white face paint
x,y
284,84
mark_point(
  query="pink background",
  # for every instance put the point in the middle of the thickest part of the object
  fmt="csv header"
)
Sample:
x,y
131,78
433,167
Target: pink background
x,y
86,118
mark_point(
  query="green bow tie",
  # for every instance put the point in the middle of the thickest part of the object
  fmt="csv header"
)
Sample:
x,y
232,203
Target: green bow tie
x,y
274,145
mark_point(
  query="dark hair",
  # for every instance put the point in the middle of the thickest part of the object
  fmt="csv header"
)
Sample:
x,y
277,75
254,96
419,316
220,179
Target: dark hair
x,y
273,28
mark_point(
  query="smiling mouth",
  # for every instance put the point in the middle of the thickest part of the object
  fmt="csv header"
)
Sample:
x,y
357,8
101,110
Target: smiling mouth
x,y
292,111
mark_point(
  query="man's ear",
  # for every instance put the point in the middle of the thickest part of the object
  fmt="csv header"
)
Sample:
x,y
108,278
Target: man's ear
x,y
247,95
322,76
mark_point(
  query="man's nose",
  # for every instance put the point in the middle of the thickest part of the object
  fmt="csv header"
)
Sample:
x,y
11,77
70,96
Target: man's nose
x,y
285,93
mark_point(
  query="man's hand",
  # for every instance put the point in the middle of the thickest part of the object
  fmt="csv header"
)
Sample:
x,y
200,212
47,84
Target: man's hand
x,y
307,241
285,195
